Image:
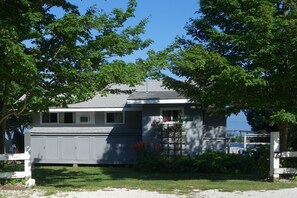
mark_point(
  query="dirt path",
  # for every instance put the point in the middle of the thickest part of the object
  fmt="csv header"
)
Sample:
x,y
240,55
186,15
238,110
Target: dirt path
x,y
125,193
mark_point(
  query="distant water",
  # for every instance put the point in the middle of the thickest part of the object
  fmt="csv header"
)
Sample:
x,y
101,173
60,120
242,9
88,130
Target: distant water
x,y
236,144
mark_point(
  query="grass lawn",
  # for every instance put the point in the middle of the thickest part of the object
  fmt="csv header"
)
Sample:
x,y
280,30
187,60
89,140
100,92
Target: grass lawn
x,y
62,178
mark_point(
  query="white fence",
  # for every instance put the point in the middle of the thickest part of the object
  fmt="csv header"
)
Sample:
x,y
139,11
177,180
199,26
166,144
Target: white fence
x,y
19,156
254,143
245,139
275,156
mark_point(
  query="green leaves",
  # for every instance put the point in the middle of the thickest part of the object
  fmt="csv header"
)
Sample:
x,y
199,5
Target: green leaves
x,y
283,116
240,55
54,61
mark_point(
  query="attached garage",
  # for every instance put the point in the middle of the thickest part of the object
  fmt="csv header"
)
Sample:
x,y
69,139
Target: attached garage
x,y
83,145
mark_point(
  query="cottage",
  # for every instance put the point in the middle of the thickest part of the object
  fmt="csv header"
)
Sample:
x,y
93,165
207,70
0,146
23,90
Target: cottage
x,y
103,129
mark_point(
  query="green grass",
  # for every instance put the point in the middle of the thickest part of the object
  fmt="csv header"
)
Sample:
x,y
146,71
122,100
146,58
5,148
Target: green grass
x,y
58,178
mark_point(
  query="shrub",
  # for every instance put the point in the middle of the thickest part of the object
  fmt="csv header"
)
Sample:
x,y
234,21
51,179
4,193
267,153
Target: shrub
x,y
255,160
182,164
258,158
153,162
218,162
210,162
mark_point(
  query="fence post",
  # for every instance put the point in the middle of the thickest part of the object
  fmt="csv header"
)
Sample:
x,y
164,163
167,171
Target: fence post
x,y
27,162
244,142
274,158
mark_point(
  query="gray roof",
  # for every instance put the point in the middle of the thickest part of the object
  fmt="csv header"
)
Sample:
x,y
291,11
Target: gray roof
x,y
155,95
148,86
150,89
111,100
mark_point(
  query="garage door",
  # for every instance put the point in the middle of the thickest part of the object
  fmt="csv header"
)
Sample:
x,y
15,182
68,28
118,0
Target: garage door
x,y
79,149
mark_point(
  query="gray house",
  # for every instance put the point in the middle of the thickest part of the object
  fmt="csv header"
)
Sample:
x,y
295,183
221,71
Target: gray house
x,y
104,129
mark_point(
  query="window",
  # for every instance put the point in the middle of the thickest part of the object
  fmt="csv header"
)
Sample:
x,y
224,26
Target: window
x,y
114,118
84,119
171,115
66,117
49,117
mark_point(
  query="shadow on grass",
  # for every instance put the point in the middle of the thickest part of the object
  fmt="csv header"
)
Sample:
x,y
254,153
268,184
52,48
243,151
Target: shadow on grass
x,y
62,176
66,177
123,173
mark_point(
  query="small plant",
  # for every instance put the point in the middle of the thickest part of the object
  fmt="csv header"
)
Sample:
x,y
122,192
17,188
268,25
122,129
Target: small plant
x,y
12,181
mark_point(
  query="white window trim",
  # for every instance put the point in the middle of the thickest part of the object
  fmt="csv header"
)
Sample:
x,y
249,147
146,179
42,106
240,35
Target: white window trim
x,y
170,109
105,117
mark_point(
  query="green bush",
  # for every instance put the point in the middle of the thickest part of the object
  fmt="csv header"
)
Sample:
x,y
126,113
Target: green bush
x,y
182,164
210,162
153,162
259,159
218,162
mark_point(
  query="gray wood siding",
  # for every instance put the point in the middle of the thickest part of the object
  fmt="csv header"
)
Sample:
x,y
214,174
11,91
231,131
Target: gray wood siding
x,y
199,136
97,143
90,149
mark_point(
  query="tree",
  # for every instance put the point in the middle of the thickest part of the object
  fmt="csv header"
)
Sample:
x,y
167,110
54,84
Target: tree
x,y
46,60
241,55
259,120
17,125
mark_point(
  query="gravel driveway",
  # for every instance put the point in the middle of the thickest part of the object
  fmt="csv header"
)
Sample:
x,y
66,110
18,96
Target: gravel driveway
x,y
125,193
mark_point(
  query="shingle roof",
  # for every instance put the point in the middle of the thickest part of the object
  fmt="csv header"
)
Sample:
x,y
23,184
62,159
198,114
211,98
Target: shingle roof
x,y
156,95
111,100
150,85
149,90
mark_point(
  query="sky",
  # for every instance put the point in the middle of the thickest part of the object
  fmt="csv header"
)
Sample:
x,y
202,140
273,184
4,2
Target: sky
x,y
167,19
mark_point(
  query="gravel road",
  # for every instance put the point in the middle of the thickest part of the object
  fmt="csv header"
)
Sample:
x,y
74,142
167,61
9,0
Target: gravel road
x,y
125,193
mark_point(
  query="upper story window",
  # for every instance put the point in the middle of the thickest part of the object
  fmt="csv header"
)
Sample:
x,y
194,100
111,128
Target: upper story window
x,y
61,117
66,117
58,117
114,117
171,115
85,117
49,117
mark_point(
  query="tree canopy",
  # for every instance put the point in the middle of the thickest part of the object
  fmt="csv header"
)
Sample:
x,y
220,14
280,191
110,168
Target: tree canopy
x,y
47,60
238,55
259,120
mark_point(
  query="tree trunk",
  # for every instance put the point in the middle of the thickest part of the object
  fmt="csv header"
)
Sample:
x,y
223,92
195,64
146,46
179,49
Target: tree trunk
x,y
283,128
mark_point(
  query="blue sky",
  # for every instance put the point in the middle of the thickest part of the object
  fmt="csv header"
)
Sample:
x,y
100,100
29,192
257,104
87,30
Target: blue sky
x,y
167,19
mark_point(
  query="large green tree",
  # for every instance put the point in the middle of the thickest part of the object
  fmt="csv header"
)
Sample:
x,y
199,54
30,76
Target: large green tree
x,y
260,120
49,60
241,54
